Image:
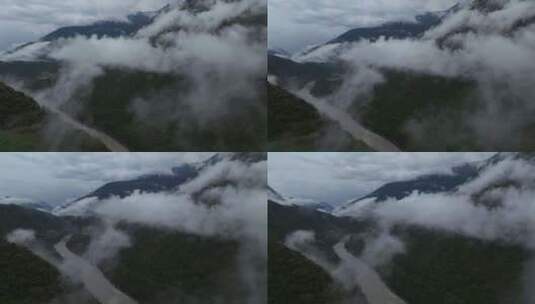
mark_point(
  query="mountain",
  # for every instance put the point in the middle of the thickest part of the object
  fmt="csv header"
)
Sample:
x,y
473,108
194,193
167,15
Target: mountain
x,y
25,202
18,110
301,202
39,50
432,183
152,183
415,109
437,183
279,53
435,265
151,110
111,29
27,278
23,126
182,267
295,125
389,30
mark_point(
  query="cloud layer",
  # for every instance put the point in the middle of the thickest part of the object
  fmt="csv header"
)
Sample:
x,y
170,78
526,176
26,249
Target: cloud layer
x,y
337,177
56,177
295,24
24,21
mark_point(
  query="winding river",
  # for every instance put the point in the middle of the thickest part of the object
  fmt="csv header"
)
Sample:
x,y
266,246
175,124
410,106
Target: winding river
x,y
110,143
369,281
348,124
92,278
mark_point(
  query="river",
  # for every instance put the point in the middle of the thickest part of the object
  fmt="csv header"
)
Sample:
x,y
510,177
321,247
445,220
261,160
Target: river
x,y
348,124
356,271
92,278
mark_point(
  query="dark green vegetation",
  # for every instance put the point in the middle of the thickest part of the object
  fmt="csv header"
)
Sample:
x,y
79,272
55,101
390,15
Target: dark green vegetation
x,y
437,266
447,268
186,268
26,278
136,108
295,125
293,279
406,97
20,120
324,77
23,126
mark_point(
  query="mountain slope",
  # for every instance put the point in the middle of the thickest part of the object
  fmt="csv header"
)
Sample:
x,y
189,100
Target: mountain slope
x,y
26,278
437,263
24,123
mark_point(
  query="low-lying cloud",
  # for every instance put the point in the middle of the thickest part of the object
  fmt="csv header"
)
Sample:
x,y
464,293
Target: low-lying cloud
x,y
215,64
493,51
495,206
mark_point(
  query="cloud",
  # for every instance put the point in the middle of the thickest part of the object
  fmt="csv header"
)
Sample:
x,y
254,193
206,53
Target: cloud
x,y
495,54
296,24
338,177
489,208
227,201
29,20
21,236
106,242
56,177
196,51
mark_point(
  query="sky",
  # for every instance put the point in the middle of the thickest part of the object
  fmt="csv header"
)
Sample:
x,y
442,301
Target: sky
x,y
28,20
295,24
337,177
59,177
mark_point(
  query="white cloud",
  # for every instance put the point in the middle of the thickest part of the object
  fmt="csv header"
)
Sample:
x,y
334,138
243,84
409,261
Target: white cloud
x,y
56,177
338,177
24,21
296,24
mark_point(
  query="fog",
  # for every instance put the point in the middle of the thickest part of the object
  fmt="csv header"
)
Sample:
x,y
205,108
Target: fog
x,y
194,47
492,50
227,201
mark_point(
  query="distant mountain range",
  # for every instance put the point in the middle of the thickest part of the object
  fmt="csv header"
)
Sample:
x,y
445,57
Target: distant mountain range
x,y
298,202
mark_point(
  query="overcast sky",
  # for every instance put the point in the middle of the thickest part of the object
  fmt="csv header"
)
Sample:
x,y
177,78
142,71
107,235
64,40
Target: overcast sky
x,y
57,177
27,20
338,177
295,24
